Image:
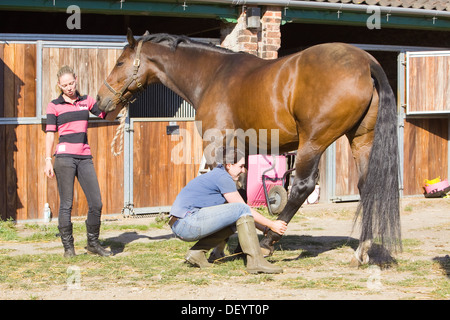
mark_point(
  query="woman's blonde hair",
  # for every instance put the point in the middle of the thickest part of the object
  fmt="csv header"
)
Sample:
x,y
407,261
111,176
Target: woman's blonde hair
x,y
62,71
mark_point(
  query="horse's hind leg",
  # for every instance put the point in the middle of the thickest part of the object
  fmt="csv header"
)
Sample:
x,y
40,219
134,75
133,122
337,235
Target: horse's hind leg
x,y
361,147
361,140
306,176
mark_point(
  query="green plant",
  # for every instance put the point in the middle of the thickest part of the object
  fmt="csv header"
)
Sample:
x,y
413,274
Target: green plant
x,y
8,230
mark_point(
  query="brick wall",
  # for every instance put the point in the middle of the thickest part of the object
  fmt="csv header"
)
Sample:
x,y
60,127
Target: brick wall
x,y
270,40
263,42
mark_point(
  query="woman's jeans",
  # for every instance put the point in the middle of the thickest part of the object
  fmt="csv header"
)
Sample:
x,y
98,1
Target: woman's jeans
x,y
203,222
66,169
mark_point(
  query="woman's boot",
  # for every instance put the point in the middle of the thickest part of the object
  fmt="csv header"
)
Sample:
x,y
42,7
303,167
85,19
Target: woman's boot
x,y
93,245
66,234
197,254
248,240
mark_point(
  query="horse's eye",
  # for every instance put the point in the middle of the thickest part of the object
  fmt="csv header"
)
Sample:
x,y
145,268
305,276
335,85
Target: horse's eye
x,y
119,64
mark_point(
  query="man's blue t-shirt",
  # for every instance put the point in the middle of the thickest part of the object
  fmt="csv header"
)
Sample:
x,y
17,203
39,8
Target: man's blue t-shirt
x,y
204,191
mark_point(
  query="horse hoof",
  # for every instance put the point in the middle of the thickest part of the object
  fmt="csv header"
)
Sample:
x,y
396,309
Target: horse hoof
x,y
266,252
266,247
354,263
359,261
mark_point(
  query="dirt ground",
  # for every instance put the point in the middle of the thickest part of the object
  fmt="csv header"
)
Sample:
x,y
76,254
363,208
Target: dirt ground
x,y
426,221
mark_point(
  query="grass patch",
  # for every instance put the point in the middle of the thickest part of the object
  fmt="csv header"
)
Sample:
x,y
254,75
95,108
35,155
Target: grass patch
x,y
8,230
309,262
338,283
408,208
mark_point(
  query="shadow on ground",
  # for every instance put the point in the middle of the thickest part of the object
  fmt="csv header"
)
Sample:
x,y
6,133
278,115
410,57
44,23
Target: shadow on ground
x,y
119,242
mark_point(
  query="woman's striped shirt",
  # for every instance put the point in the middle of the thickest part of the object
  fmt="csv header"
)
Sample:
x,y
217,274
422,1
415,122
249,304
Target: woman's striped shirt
x,y
71,122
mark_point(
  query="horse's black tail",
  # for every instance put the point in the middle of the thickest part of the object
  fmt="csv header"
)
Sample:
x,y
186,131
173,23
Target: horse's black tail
x,y
379,207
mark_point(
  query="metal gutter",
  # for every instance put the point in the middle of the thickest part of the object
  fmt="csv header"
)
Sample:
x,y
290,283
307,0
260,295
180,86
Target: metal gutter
x,y
332,6
181,6
228,10
133,7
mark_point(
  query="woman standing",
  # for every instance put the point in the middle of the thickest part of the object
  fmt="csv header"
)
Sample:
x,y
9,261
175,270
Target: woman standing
x,y
68,115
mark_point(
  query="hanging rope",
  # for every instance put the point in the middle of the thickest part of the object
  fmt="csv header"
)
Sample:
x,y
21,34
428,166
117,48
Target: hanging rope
x,y
119,132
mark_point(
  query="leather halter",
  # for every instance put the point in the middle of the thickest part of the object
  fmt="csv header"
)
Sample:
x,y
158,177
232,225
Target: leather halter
x,y
136,64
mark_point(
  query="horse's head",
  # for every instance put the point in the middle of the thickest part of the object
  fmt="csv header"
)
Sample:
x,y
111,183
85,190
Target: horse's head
x,y
127,78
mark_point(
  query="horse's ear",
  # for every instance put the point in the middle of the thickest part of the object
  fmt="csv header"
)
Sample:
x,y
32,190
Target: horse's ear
x,y
146,33
130,38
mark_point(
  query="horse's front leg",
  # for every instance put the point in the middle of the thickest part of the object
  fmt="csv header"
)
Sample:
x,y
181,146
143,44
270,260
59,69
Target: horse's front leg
x,y
291,208
307,174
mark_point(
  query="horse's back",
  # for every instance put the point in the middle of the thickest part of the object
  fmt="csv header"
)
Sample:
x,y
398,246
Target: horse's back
x,y
302,93
342,53
329,73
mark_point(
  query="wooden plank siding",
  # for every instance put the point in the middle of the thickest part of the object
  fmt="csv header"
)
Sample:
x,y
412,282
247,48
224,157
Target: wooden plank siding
x,y
23,187
18,67
91,66
426,139
163,164
18,145
425,152
158,173
429,84
22,183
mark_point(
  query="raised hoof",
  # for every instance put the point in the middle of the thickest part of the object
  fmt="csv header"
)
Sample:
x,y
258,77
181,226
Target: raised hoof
x,y
266,248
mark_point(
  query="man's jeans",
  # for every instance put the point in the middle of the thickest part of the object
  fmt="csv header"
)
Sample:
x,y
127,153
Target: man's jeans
x,y
203,222
66,169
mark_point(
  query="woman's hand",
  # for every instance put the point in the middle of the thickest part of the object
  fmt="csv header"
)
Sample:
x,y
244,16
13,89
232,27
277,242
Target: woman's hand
x,y
278,226
49,139
48,170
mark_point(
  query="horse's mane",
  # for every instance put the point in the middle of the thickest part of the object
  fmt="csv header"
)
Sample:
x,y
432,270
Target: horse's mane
x,y
173,41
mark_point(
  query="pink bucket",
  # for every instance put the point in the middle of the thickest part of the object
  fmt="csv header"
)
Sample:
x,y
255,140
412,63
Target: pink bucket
x,y
257,164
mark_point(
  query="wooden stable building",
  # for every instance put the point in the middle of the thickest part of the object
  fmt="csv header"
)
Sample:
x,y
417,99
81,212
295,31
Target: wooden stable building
x,y
412,45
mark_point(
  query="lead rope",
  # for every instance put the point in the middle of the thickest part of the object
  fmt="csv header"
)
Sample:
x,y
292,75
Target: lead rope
x,y
119,132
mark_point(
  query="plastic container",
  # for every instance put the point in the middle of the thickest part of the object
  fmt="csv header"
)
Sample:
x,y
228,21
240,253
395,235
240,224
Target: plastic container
x,y
257,165
47,213
439,186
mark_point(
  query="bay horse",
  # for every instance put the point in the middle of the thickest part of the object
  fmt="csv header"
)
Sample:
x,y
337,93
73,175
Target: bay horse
x,y
312,97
